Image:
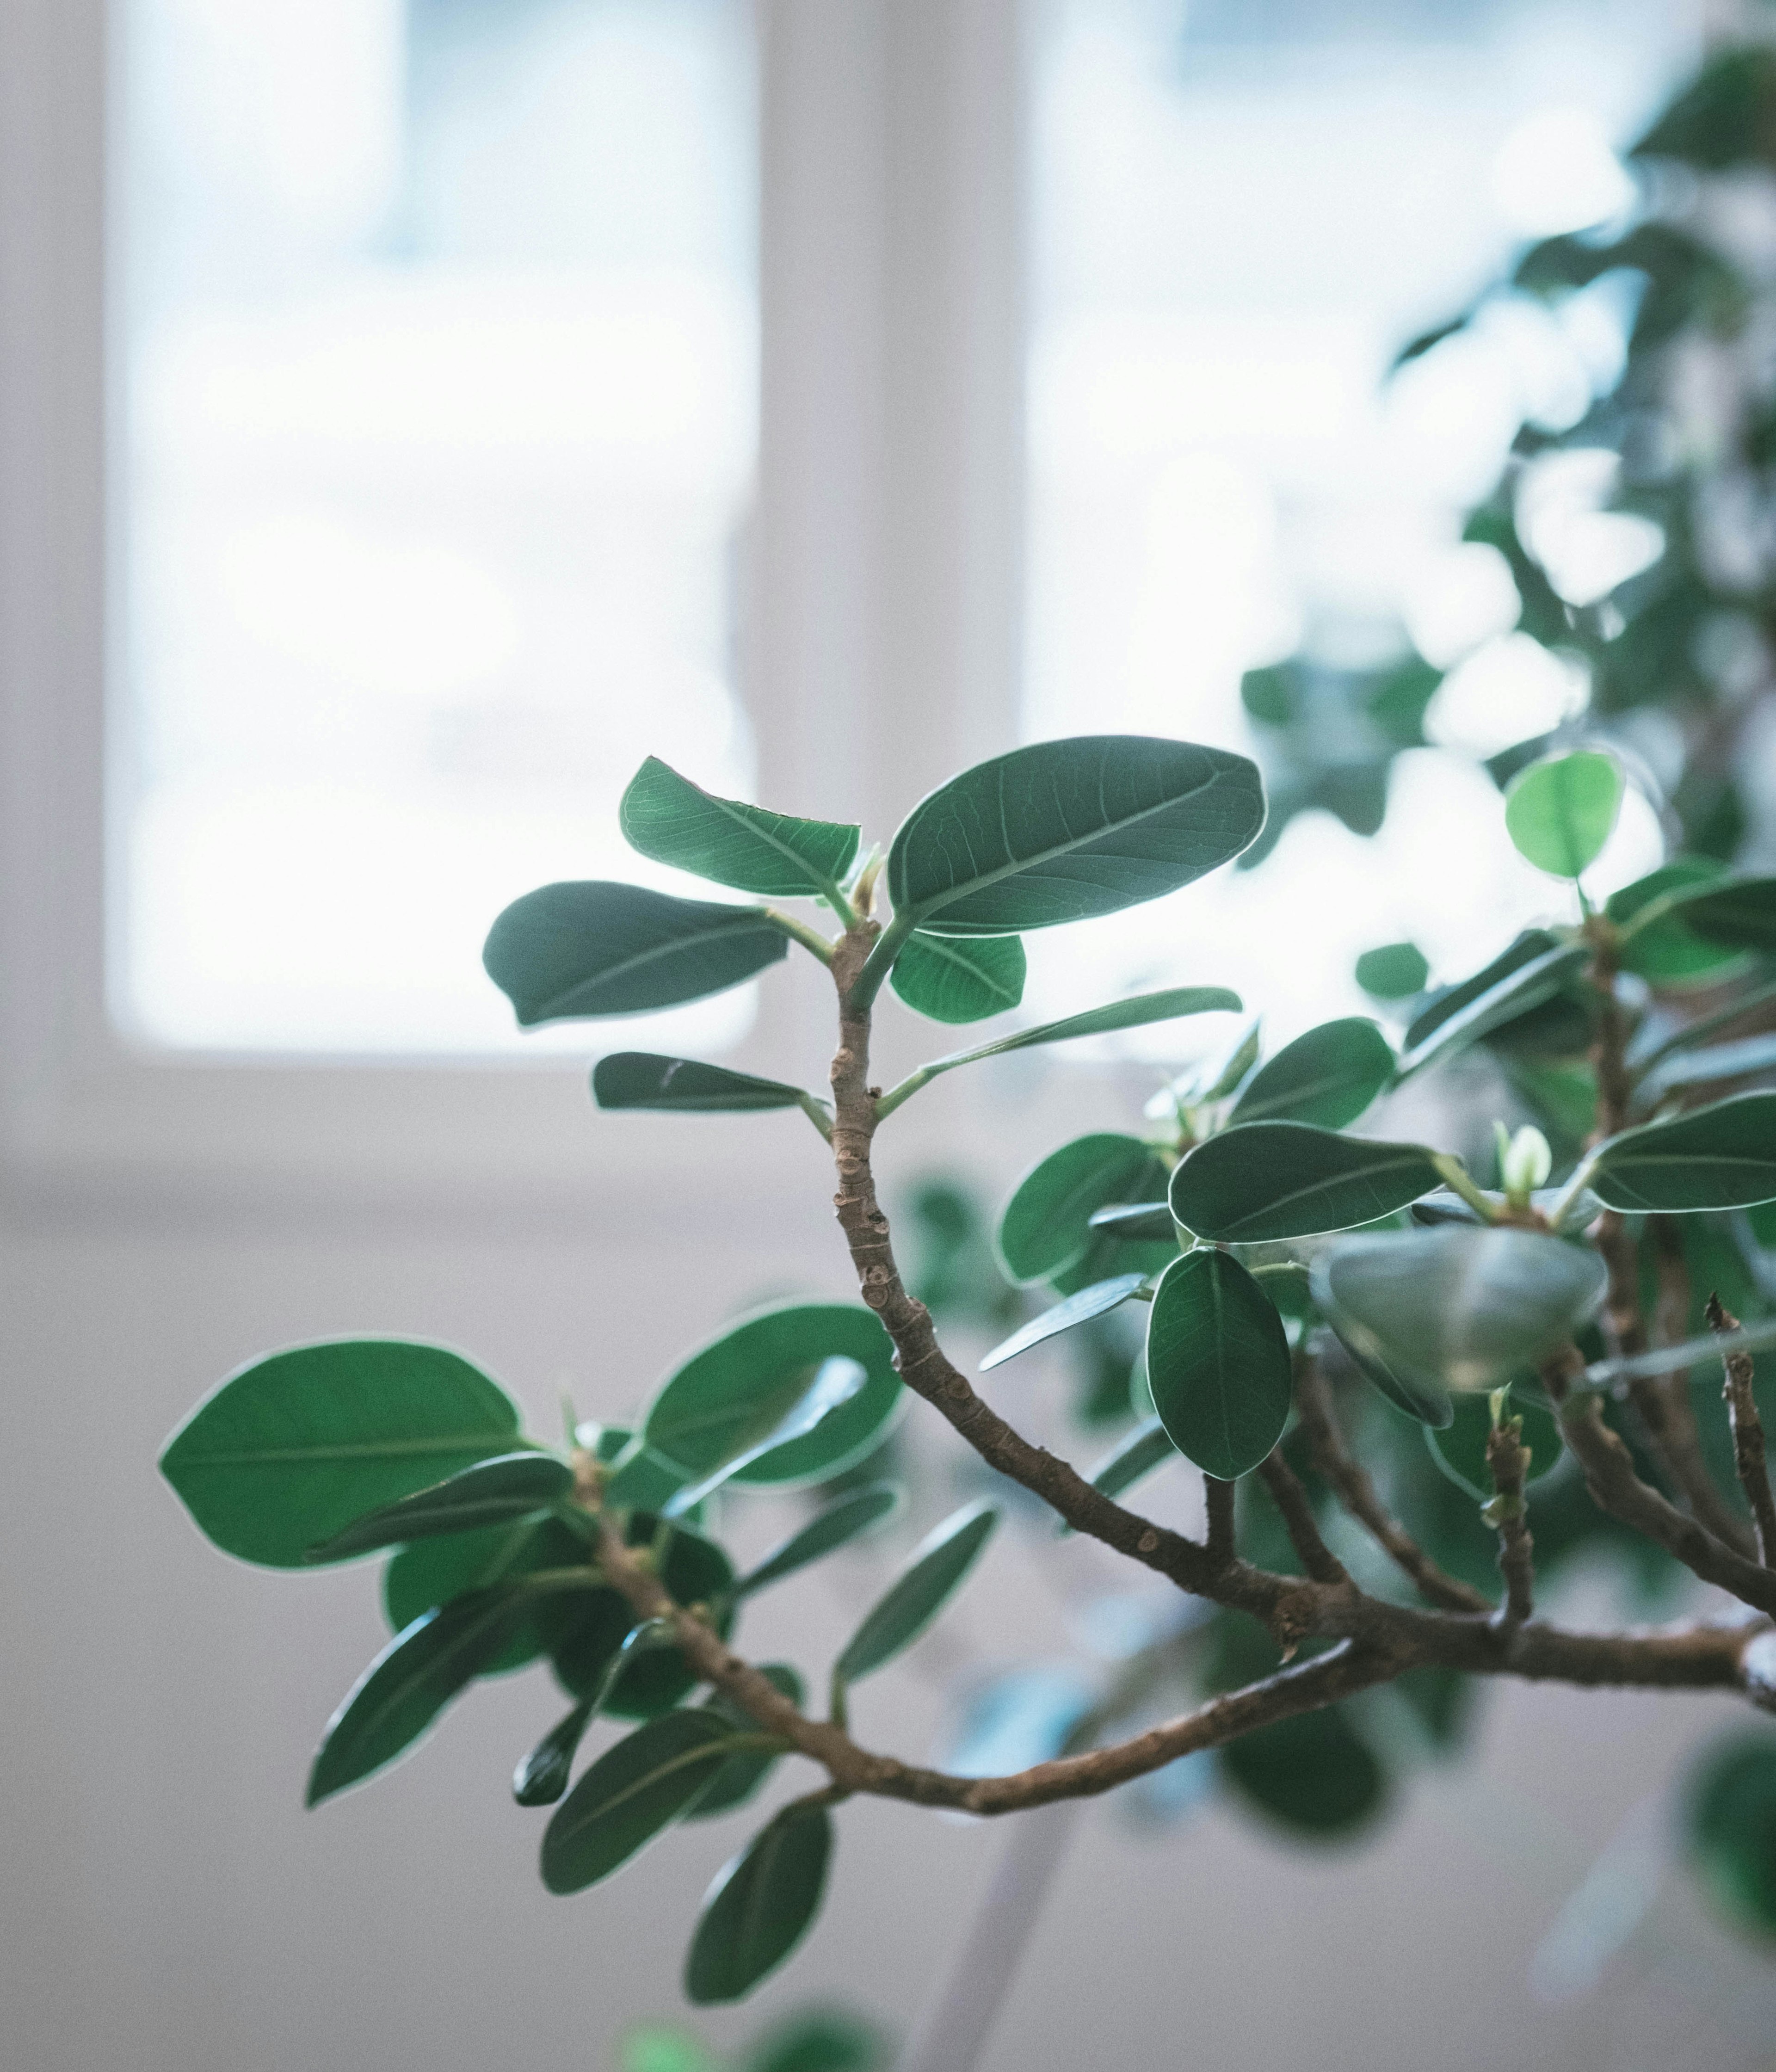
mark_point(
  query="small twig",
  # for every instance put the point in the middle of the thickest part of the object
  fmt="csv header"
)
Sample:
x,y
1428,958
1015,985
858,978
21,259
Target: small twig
x,y
1219,1497
1681,1441
1303,1527
1508,1458
1747,1434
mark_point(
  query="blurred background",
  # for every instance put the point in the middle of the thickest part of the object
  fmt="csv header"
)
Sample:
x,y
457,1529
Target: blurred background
x,y
414,412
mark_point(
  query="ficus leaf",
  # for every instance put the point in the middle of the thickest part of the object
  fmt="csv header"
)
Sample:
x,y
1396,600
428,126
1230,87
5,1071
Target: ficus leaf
x,y
428,1573
760,1906
1143,1223
1395,971
1731,1829
594,948
291,1449
797,1408
847,1518
777,857
932,1574
1046,1225
1741,915
1067,830
1722,1156
629,1794
1328,1076
541,1778
1313,1775
1100,1297
1271,1180
740,1777
1531,972
497,1492
956,978
642,1479
695,1572
1561,810
1217,1364
1664,948
682,1086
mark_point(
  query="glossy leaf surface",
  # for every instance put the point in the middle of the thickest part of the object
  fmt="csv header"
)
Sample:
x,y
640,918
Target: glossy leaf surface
x,y
696,1571
1146,1223
1722,1156
847,1518
1271,1180
797,1407
1561,810
594,948
291,1450
741,1776
431,1572
1665,949
701,1408
497,1492
760,1907
1531,973
1096,1301
682,1086
1047,1224
632,1792
957,978
1067,830
934,1571
1217,1364
666,817
541,1778
1328,1076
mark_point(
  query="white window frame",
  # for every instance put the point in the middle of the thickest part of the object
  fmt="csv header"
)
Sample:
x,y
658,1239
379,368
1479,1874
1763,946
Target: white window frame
x,y
883,625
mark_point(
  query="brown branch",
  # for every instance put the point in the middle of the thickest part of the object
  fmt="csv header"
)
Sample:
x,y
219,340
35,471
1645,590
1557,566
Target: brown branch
x,y
1508,1458
1350,1482
1747,1434
1682,1442
1303,1527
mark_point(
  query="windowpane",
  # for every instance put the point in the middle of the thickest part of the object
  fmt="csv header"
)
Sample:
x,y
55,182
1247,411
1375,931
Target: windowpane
x,y
1242,209
438,426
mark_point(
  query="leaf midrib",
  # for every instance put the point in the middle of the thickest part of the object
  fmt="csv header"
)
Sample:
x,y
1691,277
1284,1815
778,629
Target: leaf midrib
x,y
752,917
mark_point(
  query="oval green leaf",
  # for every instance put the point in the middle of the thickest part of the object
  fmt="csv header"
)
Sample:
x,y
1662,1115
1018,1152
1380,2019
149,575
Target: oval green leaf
x,y
703,1406
760,1907
1526,976
290,1449
1313,1775
579,949
1046,1225
496,1492
1722,1156
796,1408
954,979
933,1572
633,1793
1561,810
1395,971
1141,1223
1327,1077
696,1571
666,817
1740,916
682,1086
430,1573
541,1778
1069,830
847,1518
1217,1364
1663,948
1096,1301
1271,1180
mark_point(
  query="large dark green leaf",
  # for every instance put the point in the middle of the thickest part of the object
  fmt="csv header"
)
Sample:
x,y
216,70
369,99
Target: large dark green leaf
x,y
740,1777
1740,916
1456,1307
847,1518
642,1479
1460,1450
1101,1296
1046,1225
629,1794
1731,1829
1663,948
712,1397
1270,1180
409,1684
1329,1077
797,1408
1561,810
591,948
1311,1775
292,1448
1722,1157
497,1492
1532,971
952,978
760,1906
682,1086
1067,830
431,1572
777,857
933,1572
696,1571
1217,1364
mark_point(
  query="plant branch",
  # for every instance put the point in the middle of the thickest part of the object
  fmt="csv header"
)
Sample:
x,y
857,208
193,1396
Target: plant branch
x,y
1748,1455
1681,1441
1302,1526
1508,1458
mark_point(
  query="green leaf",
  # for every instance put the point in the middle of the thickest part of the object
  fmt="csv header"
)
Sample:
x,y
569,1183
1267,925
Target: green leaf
x,y
696,1571
644,1480
670,818
1269,1180
409,1684
741,1776
630,1794
1456,1307
654,2049
823,2041
1148,1447
1722,1156
1145,1223
1217,1364
1396,971
1709,1067
1741,916
1532,971
797,1408
290,1449
497,1492
541,1778
760,1906
1664,949
1561,810
682,1086
847,1518
1100,1297
933,1572
1460,1450
582,949
1731,1829
1046,1225
1329,1077
705,1405
433,1573
954,979
1311,1775
1068,830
